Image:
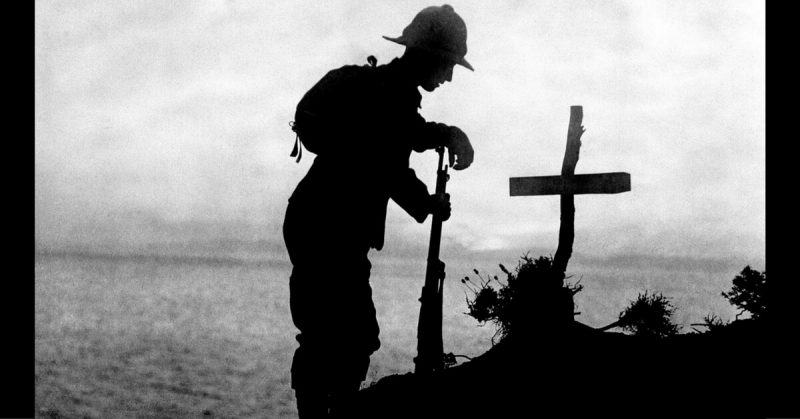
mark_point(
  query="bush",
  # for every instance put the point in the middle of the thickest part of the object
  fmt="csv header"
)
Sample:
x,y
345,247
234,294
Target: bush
x,y
749,292
649,315
713,322
534,292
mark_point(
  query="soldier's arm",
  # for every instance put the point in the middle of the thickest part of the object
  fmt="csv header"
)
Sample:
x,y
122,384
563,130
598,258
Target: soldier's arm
x,y
430,135
412,195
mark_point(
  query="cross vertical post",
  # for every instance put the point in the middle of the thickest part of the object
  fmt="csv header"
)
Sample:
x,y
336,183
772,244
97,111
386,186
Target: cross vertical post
x,y
566,231
568,185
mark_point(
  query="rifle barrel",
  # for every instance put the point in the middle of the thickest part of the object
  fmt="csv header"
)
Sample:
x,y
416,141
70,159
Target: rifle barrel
x,y
429,331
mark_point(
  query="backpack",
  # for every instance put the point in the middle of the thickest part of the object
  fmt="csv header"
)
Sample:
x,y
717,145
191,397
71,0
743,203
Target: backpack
x,y
329,106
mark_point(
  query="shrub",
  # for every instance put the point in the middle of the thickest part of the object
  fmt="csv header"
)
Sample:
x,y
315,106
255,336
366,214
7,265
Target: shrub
x,y
533,291
749,292
713,322
649,315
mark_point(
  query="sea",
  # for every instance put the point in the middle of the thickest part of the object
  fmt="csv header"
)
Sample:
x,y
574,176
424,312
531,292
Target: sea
x,y
181,336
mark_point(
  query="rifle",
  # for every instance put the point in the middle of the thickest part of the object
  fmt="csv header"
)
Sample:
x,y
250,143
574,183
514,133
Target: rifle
x,y
430,354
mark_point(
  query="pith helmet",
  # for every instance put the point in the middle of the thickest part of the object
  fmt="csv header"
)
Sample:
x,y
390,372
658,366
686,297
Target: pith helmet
x,y
437,29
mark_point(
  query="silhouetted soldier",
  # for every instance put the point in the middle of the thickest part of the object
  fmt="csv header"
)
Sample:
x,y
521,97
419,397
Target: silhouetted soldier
x,y
363,123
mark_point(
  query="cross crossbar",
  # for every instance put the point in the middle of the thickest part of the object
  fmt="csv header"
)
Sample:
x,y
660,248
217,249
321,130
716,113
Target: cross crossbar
x,y
568,185
590,183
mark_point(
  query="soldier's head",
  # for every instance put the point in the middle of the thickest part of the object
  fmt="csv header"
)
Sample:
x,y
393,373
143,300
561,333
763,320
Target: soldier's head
x,y
435,40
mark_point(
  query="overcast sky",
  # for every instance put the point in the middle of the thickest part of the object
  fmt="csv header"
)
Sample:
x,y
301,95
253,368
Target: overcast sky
x,y
160,121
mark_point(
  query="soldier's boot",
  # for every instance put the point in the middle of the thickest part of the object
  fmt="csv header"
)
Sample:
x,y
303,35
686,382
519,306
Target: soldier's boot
x,y
341,399
310,390
345,386
311,404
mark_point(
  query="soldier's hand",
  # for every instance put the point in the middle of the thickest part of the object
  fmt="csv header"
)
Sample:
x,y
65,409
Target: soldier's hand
x,y
440,205
459,149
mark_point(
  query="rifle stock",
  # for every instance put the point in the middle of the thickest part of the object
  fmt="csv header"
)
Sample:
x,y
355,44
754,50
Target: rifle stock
x,y
429,330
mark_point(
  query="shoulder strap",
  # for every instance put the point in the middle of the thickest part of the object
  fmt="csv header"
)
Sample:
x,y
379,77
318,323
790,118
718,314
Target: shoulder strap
x,y
298,146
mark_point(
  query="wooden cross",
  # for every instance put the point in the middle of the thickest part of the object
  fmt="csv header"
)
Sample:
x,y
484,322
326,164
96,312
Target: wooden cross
x,y
568,185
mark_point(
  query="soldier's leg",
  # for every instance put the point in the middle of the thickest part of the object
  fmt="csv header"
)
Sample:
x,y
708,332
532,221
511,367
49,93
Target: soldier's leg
x,y
307,373
359,336
339,332
331,305
308,364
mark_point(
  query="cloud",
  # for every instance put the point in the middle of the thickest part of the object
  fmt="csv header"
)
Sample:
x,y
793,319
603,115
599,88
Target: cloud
x,y
179,112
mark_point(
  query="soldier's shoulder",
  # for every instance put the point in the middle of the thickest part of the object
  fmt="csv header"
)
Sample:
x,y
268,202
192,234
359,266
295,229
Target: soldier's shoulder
x,y
348,78
348,72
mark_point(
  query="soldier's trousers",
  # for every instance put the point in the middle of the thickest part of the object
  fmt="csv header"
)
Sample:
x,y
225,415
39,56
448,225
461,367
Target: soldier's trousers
x,y
331,305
